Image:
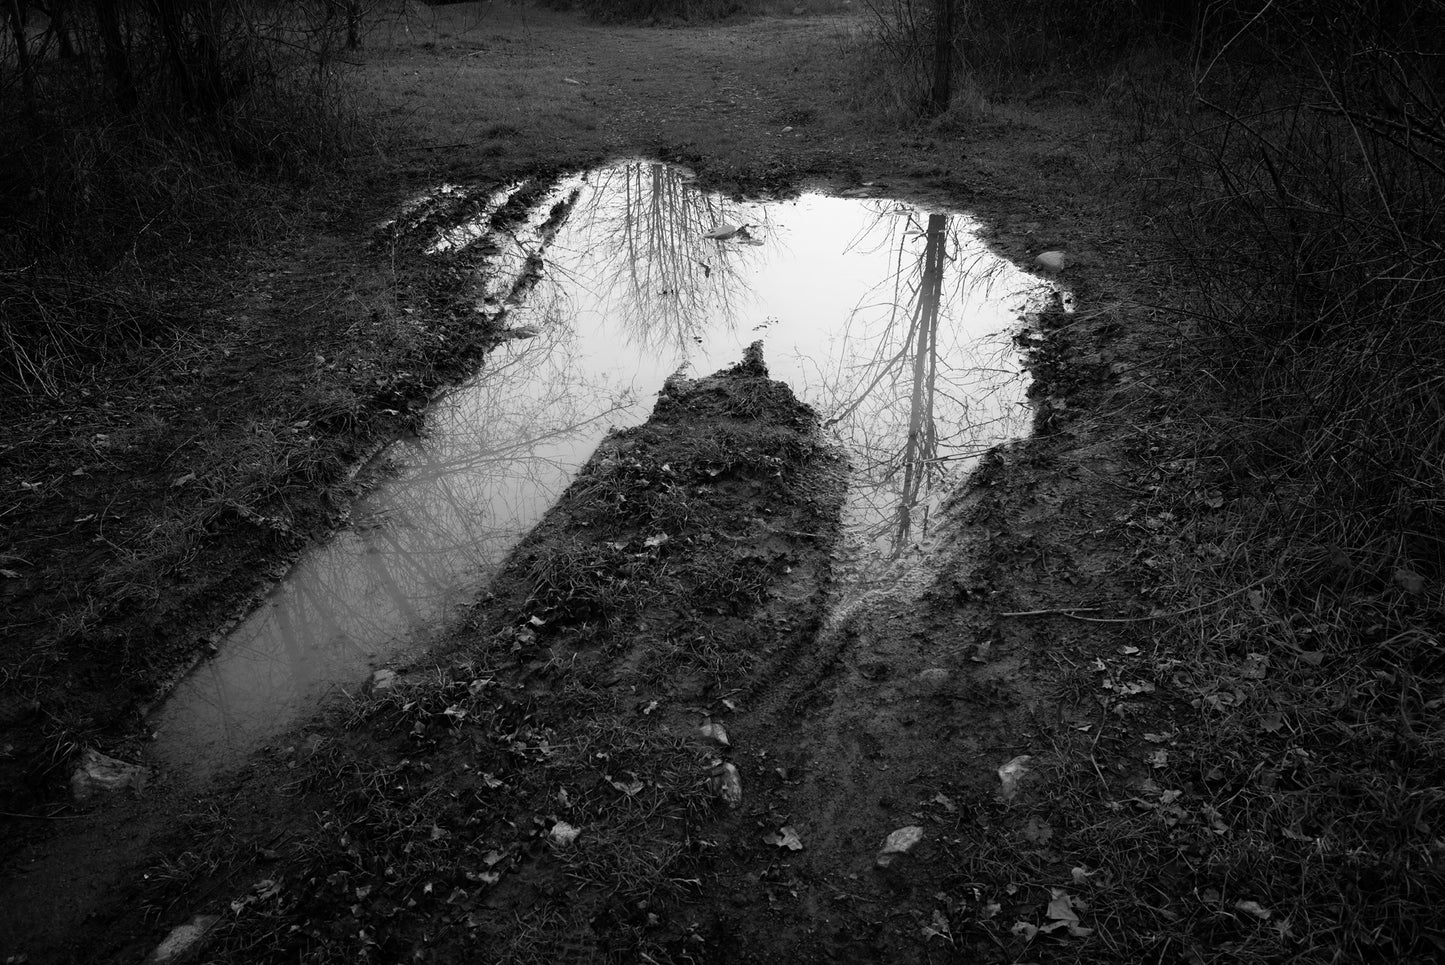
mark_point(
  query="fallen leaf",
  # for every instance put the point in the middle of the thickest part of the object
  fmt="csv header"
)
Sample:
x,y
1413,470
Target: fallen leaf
x,y
1409,581
1011,774
786,837
629,787
1038,831
1254,908
939,928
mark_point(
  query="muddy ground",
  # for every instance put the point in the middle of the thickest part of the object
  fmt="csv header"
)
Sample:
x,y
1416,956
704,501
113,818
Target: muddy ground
x,y
433,819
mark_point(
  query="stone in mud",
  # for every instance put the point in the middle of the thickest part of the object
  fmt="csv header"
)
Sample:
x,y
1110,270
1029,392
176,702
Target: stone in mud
x,y
1052,260
97,775
727,784
898,843
184,942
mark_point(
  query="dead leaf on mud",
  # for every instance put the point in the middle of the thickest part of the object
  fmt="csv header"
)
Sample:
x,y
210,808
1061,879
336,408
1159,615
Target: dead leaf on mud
x,y
1063,913
897,843
629,788
939,927
715,732
564,834
785,837
1254,908
1011,774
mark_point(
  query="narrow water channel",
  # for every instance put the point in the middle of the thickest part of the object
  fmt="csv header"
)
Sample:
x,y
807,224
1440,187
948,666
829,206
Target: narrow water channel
x,y
895,323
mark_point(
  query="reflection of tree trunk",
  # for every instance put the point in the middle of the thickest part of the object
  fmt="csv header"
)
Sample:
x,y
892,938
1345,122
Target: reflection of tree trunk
x,y
922,433
117,60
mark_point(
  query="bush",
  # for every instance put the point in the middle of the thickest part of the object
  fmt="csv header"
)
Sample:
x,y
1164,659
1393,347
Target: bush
x,y
111,191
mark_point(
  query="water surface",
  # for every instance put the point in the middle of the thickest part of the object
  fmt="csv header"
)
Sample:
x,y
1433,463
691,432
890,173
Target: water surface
x,y
893,322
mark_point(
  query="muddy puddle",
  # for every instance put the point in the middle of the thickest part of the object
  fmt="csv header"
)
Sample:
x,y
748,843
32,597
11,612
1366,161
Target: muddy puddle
x,y
895,324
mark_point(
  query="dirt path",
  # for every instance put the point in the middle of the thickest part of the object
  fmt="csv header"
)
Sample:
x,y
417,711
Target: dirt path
x,y
897,714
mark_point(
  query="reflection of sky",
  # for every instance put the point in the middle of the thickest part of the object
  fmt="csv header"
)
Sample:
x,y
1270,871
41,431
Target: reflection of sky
x,y
631,290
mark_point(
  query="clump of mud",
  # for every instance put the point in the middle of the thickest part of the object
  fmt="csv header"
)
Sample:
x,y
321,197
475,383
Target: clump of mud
x,y
551,786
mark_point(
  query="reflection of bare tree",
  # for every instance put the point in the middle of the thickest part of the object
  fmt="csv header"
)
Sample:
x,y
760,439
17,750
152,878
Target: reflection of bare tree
x,y
495,457
915,393
640,248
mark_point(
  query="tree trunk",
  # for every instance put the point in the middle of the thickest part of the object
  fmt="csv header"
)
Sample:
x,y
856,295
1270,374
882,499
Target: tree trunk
x,y
60,25
353,24
942,92
168,18
26,68
117,59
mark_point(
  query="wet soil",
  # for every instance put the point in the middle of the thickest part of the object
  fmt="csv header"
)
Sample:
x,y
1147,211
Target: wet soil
x,y
896,712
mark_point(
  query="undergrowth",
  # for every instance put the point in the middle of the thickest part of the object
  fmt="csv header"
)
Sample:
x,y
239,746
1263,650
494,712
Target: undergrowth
x,y
1280,798
118,205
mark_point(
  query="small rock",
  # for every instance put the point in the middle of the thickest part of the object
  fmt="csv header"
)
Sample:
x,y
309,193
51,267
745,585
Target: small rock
x,y
727,784
899,842
184,942
1052,260
97,774
382,680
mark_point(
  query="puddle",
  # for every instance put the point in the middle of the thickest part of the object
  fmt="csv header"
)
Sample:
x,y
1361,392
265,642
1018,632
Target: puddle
x,y
894,323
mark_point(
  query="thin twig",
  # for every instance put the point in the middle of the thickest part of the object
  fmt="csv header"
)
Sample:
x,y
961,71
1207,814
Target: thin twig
x,y
1074,611
1061,611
